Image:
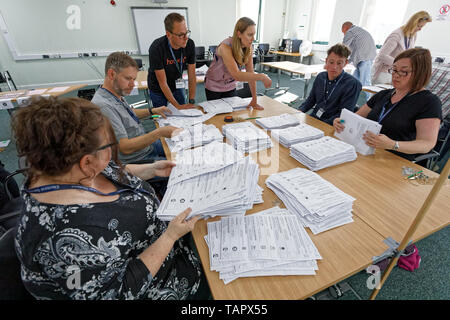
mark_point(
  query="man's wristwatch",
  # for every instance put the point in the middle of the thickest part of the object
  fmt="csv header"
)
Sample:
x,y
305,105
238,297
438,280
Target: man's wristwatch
x,y
191,101
396,146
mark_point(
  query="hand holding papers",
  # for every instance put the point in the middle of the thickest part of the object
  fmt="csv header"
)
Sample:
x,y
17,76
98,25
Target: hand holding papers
x,y
355,127
183,113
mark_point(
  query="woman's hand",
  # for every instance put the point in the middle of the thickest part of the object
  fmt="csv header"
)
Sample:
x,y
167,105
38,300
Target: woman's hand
x,y
379,141
179,226
163,168
254,104
338,125
266,80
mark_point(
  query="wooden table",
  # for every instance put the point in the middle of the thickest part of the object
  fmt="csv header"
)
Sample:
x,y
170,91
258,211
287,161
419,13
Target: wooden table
x,y
385,206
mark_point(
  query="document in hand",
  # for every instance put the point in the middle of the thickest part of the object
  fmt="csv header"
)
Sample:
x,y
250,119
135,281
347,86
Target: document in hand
x,y
292,135
183,112
355,127
194,136
322,153
246,137
184,122
267,243
319,204
278,122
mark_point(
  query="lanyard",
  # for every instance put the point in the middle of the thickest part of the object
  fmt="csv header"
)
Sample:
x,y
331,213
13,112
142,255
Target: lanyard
x,y
179,66
407,43
325,99
55,187
130,112
385,112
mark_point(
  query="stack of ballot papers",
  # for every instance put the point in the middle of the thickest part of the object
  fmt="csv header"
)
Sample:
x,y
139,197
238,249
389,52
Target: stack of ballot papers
x,y
183,112
268,243
225,105
246,137
293,135
211,180
322,153
282,121
319,204
355,127
194,136
184,122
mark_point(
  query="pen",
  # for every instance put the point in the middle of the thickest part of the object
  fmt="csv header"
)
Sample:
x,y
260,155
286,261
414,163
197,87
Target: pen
x,y
342,121
414,174
252,118
156,116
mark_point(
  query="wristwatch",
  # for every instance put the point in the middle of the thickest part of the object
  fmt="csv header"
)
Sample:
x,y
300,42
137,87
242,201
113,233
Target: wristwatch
x,y
191,101
396,146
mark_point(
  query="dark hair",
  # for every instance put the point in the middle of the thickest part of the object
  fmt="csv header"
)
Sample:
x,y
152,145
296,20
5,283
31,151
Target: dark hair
x,y
170,19
421,66
55,133
341,50
118,61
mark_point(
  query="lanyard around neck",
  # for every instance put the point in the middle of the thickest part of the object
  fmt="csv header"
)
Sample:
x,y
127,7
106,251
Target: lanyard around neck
x,y
179,65
127,108
385,112
407,43
325,97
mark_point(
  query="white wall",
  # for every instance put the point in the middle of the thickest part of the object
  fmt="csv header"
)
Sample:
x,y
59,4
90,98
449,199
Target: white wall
x,y
272,22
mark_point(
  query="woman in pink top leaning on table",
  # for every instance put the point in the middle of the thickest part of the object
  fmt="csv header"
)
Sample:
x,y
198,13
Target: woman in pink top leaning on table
x,y
233,54
398,41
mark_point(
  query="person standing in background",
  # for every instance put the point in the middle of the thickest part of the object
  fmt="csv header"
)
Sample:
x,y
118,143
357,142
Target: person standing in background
x,y
399,40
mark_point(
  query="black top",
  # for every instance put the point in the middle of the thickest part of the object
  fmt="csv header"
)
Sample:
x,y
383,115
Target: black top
x,y
160,57
101,242
400,123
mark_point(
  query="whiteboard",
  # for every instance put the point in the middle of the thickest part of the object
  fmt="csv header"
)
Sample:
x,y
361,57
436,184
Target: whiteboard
x,y
149,24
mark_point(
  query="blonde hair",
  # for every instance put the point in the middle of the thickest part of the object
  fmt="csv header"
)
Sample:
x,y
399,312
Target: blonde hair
x,y
410,27
241,55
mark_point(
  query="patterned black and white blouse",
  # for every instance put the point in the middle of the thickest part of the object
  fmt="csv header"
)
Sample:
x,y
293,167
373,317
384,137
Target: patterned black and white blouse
x,y
90,251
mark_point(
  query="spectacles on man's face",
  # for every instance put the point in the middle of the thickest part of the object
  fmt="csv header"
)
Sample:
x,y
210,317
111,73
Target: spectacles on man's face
x,y
401,73
106,146
182,35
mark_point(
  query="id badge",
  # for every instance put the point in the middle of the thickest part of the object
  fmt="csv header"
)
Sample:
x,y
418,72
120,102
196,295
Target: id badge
x,y
239,85
320,113
179,84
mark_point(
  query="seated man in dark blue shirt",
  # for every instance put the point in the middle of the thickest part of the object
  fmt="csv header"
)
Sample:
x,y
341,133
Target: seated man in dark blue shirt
x,y
334,89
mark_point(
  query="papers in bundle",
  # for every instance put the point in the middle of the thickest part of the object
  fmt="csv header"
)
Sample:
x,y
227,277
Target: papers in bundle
x,y
267,243
322,153
319,204
355,127
184,122
278,122
225,105
246,137
230,190
183,112
301,133
197,135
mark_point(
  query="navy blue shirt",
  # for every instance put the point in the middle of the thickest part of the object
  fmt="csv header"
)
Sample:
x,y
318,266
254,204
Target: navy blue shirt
x,y
330,97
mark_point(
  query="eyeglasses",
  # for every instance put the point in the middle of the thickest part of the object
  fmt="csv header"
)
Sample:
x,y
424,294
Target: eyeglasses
x,y
399,72
106,146
182,35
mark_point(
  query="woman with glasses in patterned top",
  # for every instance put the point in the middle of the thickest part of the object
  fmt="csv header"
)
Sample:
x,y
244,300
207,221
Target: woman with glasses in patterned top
x,y
89,228
409,114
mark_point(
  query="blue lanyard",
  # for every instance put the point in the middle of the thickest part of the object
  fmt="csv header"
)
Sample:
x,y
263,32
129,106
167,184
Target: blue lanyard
x,y
55,187
179,68
130,112
407,43
325,99
385,112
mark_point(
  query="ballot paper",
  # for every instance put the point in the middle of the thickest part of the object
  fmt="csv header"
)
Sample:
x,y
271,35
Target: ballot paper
x,y
202,70
322,153
225,105
282,121
267,243
182,112
184,122
197,135
238,103
319,205
246,137
300,133
57,89
355,127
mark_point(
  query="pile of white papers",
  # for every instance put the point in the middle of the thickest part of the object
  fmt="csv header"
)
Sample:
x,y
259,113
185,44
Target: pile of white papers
x,y
282,121
225,105
355,127
301,133
246,137
322,153
212,180
197,135
267,243
183,112
183,122
319,204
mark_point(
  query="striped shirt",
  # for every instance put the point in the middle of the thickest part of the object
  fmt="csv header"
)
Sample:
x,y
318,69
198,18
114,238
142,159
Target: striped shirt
x,y
361,43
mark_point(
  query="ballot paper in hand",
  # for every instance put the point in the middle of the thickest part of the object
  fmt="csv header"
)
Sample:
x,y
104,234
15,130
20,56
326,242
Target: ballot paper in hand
x,y
355,127
183,112
194,136
183,122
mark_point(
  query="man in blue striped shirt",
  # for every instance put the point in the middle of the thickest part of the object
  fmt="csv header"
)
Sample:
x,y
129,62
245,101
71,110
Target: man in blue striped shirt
x,y
333,89
363,51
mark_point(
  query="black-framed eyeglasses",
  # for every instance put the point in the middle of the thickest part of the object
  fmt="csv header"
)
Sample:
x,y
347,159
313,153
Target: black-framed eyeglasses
x,y
182,35
401,73
106,146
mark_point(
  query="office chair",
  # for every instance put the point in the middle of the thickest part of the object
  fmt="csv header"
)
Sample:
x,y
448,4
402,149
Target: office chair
x,y
139,63
200,57
263,53
212,50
